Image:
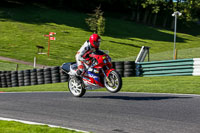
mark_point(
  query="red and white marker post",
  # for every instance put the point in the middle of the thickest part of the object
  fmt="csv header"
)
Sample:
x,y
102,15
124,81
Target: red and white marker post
x,y
50,38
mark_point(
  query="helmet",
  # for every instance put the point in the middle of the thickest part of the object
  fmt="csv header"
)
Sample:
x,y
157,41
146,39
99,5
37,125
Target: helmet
x,y
95,40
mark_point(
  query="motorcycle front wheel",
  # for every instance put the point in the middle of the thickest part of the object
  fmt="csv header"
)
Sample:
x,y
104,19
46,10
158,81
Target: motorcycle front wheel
x,y
114,82
76,87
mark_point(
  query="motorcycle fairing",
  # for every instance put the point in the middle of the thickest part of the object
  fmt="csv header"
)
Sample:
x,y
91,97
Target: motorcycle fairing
x,y
108,71
93,79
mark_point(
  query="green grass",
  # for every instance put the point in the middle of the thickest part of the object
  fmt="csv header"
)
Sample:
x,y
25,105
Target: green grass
x,y
181,54
174,84
10,66
17,127
168,55
46,87
23,27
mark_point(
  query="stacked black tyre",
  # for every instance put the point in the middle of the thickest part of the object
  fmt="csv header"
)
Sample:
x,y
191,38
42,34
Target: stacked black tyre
x,y
0,79
21,78
55,74
3,80
40,76
119,66
14,78
27,77
113,65
64,76
8,79
129,68
34,77
47,76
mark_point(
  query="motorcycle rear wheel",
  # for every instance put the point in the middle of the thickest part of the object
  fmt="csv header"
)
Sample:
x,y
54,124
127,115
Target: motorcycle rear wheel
x,y
115,83
76,87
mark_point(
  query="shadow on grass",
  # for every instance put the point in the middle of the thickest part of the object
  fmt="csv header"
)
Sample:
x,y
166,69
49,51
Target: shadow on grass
x,y
127,44
149,98
35,14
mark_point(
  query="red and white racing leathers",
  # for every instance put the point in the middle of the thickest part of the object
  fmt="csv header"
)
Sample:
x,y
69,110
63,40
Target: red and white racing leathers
x,y
82,52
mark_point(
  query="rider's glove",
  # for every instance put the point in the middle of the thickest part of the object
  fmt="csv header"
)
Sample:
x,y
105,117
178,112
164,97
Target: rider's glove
x,y
88,61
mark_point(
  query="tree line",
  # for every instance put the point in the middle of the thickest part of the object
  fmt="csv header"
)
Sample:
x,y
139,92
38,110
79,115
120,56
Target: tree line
x,y
151,12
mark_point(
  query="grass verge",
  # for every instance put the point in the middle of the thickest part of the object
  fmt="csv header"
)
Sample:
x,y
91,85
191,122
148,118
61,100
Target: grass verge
x,y
17,127
173,84
10,66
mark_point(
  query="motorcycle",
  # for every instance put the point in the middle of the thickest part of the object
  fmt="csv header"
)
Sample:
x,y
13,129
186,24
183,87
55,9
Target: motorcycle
x,y
98,74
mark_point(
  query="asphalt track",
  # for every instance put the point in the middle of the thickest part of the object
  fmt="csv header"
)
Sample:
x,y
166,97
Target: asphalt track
x,y
103,112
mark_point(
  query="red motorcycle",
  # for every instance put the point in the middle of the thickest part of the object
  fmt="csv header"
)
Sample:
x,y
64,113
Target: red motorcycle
x,y
99,74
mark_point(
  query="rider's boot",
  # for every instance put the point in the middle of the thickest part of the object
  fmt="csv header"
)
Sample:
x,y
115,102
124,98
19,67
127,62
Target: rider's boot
x,y
78,76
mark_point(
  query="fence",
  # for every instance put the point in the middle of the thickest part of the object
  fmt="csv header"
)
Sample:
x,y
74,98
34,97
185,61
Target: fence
x,y
52,75
181,67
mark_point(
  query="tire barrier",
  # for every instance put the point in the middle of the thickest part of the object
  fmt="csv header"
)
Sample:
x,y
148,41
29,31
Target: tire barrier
x,y
27,77
129,68
55,74
34,77
125,69
40,76
0,80
14,78
21,78
52,75
47,76
3,81
8,79
64,77
119,66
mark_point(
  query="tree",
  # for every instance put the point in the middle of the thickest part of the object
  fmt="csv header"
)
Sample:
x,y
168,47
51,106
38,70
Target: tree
x,y
135,6
101,25
151,6
194,8
168,9
96,21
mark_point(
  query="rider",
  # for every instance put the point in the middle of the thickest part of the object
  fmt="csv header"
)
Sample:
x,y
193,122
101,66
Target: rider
x,y
88,47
